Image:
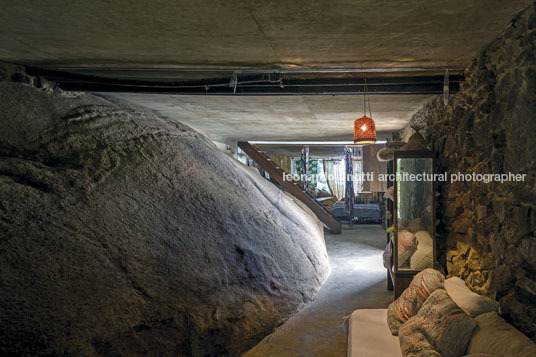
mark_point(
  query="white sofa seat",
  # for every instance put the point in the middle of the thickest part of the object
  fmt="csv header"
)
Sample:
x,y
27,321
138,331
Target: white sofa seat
x,y
369,335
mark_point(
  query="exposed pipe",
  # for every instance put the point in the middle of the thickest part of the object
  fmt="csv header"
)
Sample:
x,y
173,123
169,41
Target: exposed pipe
x,y
259,84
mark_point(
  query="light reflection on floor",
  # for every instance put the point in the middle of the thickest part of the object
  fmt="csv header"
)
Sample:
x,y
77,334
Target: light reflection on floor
x,y
357,280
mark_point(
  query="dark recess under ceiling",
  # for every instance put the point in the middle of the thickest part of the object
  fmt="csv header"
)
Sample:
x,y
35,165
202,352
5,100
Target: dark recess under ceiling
x,y
262,82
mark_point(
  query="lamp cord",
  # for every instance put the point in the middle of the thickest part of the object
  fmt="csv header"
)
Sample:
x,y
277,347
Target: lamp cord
x,y
365,96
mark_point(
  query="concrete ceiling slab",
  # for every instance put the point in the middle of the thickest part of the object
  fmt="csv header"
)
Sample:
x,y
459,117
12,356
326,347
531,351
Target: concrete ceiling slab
x,y
280,117
247,33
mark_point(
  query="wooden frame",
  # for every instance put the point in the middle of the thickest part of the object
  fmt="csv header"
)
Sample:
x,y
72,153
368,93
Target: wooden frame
x,y
402,277
389,208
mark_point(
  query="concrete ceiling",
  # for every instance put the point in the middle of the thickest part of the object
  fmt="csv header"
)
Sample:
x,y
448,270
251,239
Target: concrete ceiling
x,y
280,117
248,33
111,38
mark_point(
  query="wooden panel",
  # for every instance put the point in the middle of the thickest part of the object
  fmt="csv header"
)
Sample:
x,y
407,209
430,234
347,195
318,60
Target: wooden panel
x,y
401,282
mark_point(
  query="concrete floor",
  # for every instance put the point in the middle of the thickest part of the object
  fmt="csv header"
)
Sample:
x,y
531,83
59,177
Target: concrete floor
x,y
357,280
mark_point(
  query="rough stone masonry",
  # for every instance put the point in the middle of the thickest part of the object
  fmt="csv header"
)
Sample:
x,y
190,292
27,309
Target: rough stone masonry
x,y
487,230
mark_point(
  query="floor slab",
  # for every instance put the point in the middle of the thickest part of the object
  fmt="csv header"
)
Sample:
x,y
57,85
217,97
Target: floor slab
x,y
357,281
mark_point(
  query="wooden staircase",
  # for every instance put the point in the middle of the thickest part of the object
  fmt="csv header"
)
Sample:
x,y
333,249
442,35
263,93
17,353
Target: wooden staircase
x,y
291,186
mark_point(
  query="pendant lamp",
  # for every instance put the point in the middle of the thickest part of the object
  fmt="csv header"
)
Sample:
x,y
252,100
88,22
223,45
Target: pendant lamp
x,y
364,131
364,127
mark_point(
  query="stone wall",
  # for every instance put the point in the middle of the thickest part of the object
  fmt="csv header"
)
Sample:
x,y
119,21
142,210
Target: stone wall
x,y
486,231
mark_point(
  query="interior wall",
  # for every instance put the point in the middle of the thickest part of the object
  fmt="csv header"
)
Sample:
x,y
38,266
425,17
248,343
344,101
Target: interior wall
x,y
486,230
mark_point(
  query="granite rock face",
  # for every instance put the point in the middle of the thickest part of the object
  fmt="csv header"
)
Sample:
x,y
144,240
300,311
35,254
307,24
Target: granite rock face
x,y
125,233
487,230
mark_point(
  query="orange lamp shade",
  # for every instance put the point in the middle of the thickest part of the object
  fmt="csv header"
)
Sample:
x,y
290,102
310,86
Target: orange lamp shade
x,y
364,131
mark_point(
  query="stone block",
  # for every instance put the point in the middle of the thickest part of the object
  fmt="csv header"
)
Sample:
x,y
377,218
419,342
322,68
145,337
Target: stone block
x,y
498,248
531,37
457,266
479,281
454,209
499,208
530,80
531,21
520,215
453,238
528,286
462,224
528,251
516,311
489,224
533,219
463,249
474,260
504,278
450,145
482,240
451,254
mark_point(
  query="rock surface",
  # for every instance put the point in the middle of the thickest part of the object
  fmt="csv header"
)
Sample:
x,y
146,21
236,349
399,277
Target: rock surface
x,y
125,233
487,230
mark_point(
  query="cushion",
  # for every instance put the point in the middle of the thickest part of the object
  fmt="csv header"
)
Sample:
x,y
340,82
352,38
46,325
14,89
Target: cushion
x,y
496,337
424,255
446,327
415,225
416,345
411,299
407,245
369,336
470,302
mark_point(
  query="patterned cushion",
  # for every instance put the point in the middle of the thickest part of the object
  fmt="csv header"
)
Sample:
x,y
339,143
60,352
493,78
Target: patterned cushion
x,y
407,245
446,327
410,301
416,345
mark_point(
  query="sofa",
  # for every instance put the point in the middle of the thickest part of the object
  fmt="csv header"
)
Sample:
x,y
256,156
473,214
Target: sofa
x,y
370,335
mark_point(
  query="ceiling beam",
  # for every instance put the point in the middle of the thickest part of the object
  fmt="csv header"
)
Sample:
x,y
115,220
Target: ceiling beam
x,y
258,84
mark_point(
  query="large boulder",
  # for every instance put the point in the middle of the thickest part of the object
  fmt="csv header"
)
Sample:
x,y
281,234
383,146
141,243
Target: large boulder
x,y
126,233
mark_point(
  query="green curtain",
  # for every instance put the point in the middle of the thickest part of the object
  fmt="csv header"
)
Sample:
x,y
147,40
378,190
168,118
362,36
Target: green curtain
x,y
313,171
